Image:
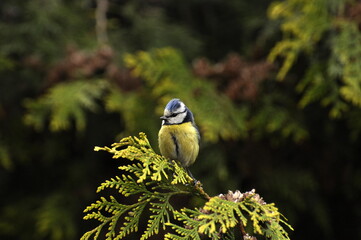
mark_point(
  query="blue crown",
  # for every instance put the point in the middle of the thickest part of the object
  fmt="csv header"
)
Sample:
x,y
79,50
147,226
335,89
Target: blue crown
x,y
173,105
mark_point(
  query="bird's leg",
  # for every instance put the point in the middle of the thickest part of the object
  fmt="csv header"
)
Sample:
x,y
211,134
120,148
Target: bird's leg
x,y
191,175
198,185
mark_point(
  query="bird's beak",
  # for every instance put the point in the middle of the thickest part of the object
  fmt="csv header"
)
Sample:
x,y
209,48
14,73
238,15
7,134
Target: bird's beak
x,y
163,117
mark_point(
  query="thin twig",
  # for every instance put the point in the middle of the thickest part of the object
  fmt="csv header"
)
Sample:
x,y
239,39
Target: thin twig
x,y
243,231
198,186
101,21
245,235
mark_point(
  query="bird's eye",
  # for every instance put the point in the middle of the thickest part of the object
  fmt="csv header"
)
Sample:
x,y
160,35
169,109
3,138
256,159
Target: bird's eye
x,y
173,115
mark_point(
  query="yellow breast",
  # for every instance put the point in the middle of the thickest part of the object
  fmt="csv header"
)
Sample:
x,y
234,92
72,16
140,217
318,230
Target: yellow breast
x,y
179,142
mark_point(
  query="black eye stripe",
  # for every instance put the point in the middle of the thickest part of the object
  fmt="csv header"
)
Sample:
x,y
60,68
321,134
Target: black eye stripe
x,y
175,114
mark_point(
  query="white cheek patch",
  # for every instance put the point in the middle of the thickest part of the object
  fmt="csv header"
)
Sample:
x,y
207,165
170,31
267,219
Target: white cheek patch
x,y
177,119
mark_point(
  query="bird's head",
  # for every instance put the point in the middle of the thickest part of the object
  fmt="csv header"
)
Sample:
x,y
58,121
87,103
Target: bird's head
x,y
176,112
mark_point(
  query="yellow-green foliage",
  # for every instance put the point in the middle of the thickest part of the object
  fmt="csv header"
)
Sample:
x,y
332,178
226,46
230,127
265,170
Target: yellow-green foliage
x,y
153,180
273,119
5,160
219,216
63,103
149,177
167,76
303,24
54,218
347,51
307,24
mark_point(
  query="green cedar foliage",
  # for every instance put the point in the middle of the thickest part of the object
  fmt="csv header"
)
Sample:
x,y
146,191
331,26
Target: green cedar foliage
x,y
308,28
63,103
303,23
165,74
27,31
37,167
154,180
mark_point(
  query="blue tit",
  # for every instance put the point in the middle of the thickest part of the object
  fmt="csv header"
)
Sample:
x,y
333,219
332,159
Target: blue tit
x,y
179,137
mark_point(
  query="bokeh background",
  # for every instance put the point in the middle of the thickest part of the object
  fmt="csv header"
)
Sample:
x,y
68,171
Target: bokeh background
x,y
275,88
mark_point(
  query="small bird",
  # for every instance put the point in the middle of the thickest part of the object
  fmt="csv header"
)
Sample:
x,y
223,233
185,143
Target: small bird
x,y
179,137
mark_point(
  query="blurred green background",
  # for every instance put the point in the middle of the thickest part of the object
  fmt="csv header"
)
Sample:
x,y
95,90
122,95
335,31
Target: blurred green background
x,y
275,88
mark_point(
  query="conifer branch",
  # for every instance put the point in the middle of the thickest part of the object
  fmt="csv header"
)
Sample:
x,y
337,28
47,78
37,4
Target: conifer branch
x,y
154,180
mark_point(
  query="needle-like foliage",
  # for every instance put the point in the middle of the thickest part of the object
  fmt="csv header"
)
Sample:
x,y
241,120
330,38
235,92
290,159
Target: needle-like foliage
x,y
153,180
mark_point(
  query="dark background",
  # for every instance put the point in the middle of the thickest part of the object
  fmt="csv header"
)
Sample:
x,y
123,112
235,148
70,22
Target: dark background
x,y
295,139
